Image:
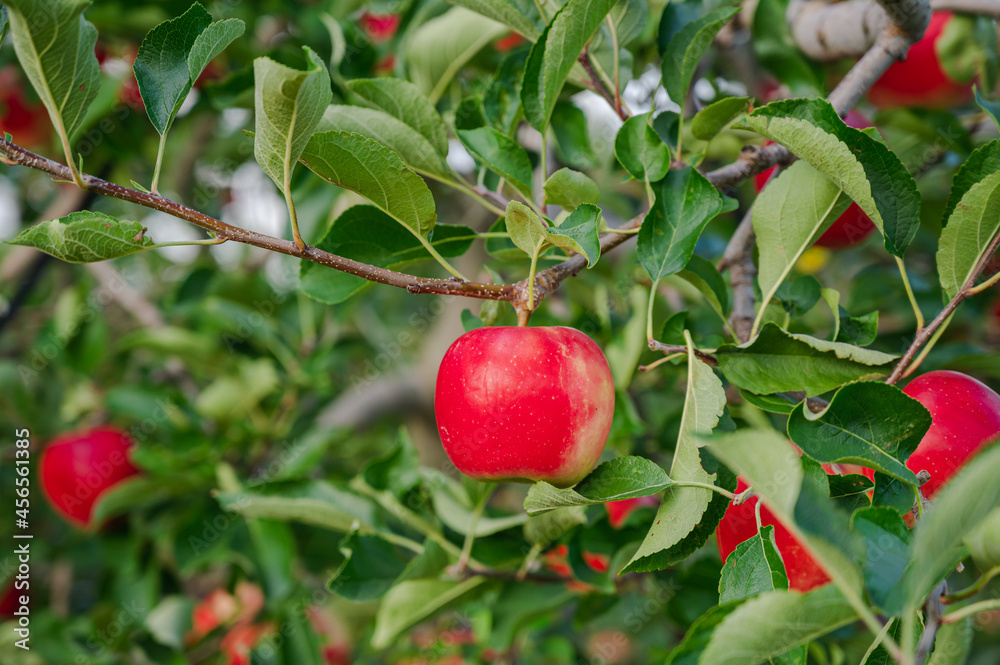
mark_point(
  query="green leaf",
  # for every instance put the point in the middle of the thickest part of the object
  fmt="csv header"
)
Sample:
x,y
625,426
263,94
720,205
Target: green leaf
x,y
371,567
953,643
501,154
686,49
439,48
578,233
4,23
316,503
365,166
516,14
860,330
769,403
85,237
640,150
703,275
715,117
412,601
570,189
772,623
971,228
675,16
555,53
788,216
992,108
796,491
548,527
887,546
687,515
171,620
172,57
959,507
777,361
685,203
800,296
869,423
754,567
289,105
860,165
982,163
572,132
502,99
620,478
689,651
778,53
55,45
366,234
415,150
404,101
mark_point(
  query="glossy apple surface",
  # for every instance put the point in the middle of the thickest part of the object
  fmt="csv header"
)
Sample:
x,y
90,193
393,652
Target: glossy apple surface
x,y
618,511
77,468
965,415
919,80
520,403
853,225
740,524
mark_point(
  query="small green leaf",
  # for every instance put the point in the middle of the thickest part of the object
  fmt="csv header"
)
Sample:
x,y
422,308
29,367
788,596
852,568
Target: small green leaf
x,y
868,423
686,49
55,46
501,154
778,53
172,57
788,216
518,15
375,172
800,296
85,237
570,189
578,233
502,99
572,132
640,150
316,503
412,147
289,105
555,53
753,568
685,203
366,234
992,108
715,117
778,361
687,516
549,526
971,228
703,275
887,546
404,101
618,479
371,567
982,163
410,602
863,167
860,330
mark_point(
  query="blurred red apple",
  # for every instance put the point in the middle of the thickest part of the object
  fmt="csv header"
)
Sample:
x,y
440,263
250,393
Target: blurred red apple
x,y
618,511
25,120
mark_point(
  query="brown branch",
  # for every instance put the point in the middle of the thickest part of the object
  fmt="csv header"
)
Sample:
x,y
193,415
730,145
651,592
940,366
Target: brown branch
x,y
828,31
925,335
933,610
668,349
600,88
984,7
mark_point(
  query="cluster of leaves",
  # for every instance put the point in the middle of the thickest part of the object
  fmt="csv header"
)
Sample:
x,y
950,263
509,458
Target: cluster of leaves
x,y
243,478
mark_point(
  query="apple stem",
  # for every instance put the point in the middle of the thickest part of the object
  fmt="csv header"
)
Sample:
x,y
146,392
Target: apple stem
x,y
707,486
649,312
972,590
909,294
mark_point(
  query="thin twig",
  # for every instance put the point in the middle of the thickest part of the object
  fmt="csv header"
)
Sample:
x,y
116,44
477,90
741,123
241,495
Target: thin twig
x,y
933,609
668,349
598,85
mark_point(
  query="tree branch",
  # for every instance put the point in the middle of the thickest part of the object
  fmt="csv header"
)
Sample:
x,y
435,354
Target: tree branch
x,y
614,100
984,7
706,358
828,31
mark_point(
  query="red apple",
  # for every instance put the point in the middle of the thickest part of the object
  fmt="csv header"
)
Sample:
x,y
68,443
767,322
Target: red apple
x,y
77,468
740,524
618,511
527,404
508,42
26,121
241,640
379,27
9,602
965,415
853,226
919,80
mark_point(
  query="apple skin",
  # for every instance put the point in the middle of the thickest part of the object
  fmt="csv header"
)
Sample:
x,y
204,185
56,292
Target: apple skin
x,y
78,467
9,602
740,524
380,28
618,511
26,121
919,80
965,415
853,225
525,404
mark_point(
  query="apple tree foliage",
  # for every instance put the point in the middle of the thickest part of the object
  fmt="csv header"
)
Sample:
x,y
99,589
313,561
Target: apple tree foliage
x,y
281,407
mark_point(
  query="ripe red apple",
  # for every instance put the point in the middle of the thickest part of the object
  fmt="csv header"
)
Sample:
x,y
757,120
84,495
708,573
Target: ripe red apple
x,y
25,120
379,27
740,524
9,602
618,511
965,415
853,226
919,80
78,467
527,404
